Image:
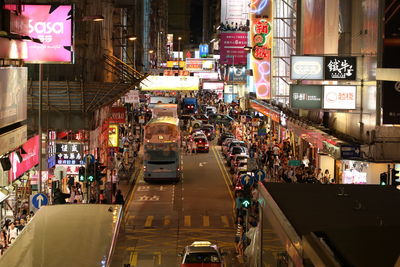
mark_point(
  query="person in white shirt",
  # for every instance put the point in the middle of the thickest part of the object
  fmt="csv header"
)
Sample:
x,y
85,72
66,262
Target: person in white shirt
x,y
13,232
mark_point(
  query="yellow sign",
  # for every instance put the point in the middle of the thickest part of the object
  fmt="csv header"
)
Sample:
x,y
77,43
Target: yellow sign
x,y
113,135
172,64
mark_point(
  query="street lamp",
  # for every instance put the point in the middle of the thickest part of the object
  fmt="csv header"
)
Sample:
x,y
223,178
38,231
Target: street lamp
x,y
179,52
133,39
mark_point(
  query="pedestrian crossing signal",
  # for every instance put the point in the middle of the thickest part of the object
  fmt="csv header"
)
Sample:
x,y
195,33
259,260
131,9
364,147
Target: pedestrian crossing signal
x,y
246,203
82,174
383,178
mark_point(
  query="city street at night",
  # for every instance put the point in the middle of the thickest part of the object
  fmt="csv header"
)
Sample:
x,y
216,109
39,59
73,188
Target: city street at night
x,y
199,133
161,219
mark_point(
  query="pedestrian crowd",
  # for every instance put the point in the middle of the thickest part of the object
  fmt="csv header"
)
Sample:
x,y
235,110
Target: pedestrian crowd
x,y
12,228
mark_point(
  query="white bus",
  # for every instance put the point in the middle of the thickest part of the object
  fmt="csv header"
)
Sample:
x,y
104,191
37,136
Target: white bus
x,y
162,158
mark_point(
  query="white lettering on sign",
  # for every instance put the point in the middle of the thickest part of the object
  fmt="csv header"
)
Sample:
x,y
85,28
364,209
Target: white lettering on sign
x,y
340,69
46,27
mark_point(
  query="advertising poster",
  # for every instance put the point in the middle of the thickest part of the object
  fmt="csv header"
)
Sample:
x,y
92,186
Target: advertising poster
x,y
200,65
29,159
13,95
339,97
236,75
306,96
118,115
113,135
390,102
232,48
52,25
261,42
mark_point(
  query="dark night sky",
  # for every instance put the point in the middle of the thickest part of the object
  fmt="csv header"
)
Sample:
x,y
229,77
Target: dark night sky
x,y
196,21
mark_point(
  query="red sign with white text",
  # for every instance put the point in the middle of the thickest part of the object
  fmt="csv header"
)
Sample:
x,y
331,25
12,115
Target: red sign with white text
x,y
118,115
232,48
29,160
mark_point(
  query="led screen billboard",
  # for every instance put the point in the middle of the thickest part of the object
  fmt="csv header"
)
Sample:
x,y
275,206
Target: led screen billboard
x,y
52,25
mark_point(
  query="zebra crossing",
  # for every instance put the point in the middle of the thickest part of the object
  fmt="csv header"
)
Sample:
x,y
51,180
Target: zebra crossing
x,y
197,221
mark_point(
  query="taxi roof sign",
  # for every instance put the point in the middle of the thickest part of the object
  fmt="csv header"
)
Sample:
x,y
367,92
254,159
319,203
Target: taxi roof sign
x,y
201,243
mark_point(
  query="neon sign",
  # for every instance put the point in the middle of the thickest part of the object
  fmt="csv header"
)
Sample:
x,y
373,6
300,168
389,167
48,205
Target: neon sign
x,y
261,42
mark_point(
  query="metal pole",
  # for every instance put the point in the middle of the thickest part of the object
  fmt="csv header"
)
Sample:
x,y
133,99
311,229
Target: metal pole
x,y
179,53
134,54
40,127
233,75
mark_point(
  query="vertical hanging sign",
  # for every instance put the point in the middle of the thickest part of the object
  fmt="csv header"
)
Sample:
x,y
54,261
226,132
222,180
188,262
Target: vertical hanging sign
x,y
261,43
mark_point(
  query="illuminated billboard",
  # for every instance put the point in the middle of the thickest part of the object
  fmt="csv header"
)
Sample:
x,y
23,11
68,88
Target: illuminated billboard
x,y
200,64
261,43
170,83
339,97
307,68
52,25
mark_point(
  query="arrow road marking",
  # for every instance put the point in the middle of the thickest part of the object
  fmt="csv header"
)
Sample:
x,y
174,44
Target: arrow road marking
x,y
247,178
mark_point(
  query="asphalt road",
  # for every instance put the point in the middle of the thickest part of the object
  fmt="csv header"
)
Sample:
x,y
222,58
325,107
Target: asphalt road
x,y
161,219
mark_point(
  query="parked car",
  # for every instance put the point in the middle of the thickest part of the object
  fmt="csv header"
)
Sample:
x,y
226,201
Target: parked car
x,y
235,150
223,136
209,131
220,119
202,144
225,145
237,161
202,254
233,143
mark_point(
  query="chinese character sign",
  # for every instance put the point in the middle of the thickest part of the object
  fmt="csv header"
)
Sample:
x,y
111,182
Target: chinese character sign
x,y
261,43
340,68
232,48
69,154
340,97
306,96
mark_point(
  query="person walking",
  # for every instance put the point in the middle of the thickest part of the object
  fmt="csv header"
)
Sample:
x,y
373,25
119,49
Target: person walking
x,y
119,198
13,232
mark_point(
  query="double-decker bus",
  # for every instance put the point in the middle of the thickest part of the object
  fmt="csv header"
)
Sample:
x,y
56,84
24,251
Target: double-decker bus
x,y
162,160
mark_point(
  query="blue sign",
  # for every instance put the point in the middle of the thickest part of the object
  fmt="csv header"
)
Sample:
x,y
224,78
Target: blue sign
x,y
259,175
246,179
203,49
39,200
89,158
51,162
350,151
236,74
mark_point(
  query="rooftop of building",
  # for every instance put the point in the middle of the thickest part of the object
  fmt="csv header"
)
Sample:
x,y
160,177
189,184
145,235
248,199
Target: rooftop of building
x,y
360,223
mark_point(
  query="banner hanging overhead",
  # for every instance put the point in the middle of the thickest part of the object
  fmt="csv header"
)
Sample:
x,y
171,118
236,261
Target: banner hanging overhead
x,y
234,12
52,25
307,68
261,43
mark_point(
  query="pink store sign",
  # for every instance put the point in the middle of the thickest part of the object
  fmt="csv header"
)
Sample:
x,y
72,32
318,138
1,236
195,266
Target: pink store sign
x,y
51,24
232,48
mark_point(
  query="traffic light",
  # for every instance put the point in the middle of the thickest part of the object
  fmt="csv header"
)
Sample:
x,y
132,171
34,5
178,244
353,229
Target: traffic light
x,y
395,177
82,177
98,171
90,173
246,202
384,180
